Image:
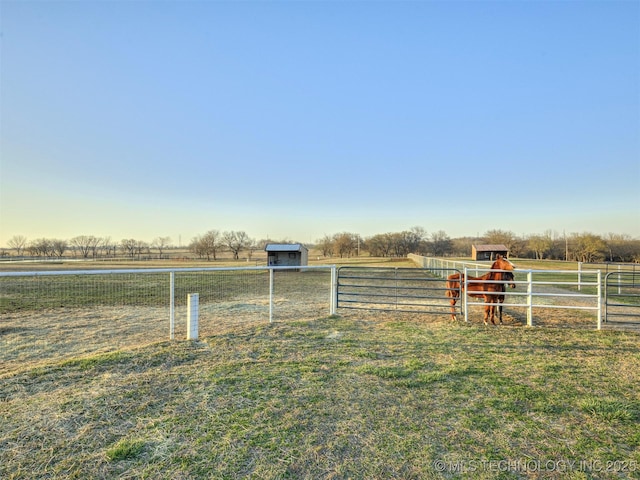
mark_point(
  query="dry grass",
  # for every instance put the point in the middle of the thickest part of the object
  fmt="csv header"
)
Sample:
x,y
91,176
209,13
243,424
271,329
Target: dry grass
x,y
28,339
384,396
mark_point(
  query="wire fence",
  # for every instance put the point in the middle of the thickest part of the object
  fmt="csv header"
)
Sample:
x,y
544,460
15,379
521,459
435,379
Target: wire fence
x,y
45,315
61,314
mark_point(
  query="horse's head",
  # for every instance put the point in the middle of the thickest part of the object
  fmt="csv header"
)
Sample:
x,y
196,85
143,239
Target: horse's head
x,y
502,263
506,275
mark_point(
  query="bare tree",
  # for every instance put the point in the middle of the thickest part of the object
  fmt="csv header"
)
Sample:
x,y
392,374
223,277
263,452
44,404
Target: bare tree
x,y
236,242
506,238
462,246
58,247
541,245
207,244
588,247
345,244
619,247
85,244
212,243
41,247
408,241
128,245
107,246
160,244
325,244
141,247
416,238
18,243
440,244
196,246
380,245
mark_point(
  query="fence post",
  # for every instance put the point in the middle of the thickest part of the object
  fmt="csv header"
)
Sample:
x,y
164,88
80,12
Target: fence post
x,y
530,298
599,276
192,316
333,300
579,276
395,275
271,295
463,294
619,281
172,305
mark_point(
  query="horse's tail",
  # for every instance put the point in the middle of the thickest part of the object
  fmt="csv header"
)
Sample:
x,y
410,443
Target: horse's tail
x,y
454,288
453,284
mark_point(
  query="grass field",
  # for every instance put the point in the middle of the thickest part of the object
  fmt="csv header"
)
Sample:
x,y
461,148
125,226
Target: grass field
x,y
346,397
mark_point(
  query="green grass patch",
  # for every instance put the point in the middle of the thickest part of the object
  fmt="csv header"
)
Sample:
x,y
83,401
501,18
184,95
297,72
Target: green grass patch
x,y
125,450
608,409
93,361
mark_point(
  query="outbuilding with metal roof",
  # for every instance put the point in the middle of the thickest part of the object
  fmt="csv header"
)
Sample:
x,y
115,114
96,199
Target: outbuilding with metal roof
x,y
488,252
287,254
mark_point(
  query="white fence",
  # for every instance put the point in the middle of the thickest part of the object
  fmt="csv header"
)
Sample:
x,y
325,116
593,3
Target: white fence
x,y
535,289
137,287
58,314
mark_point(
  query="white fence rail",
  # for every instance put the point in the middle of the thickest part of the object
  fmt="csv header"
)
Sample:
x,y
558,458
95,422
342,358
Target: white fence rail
x,y
535,295
535,289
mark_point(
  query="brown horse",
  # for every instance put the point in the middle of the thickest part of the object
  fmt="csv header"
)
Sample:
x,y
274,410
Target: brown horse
x,y
482,287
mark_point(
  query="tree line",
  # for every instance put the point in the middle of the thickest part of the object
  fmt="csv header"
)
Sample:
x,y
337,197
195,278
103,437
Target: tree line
x,y
85,246
584,247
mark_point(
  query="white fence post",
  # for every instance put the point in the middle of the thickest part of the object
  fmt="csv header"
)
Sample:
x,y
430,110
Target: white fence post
x,y
579,276
530,298
333,300
619,281
464,288
172,305
271,295
599,277
192,316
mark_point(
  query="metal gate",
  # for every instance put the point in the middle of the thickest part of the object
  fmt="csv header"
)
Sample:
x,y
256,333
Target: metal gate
x,y
416,290
622,297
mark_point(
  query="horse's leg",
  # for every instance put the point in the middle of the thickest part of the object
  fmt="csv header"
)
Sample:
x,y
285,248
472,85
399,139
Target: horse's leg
x,y
453,307
453,292
486,311
500,300
489,310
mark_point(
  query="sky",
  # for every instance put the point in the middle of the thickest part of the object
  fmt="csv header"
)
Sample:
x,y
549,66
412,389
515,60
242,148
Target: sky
x,y
299,119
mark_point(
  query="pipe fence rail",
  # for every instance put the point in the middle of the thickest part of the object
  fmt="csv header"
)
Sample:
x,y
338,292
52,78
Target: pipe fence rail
x,y
622,296
612,298
537,296
410,290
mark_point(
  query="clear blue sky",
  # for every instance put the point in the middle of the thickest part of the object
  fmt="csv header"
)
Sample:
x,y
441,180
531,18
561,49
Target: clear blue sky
x,y
297,119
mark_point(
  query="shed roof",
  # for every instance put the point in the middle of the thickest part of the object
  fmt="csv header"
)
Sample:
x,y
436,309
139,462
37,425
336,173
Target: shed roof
x,y
491,248
284,247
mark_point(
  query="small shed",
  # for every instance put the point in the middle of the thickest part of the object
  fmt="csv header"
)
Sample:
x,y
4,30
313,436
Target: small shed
x,y
488,252
287,254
